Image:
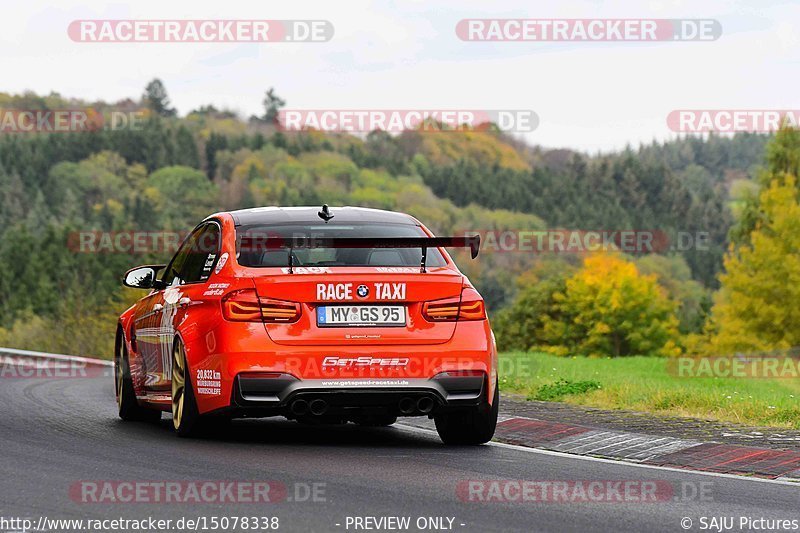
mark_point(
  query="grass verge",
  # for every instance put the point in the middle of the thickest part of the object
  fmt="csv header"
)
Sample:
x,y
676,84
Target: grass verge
x,y
644,384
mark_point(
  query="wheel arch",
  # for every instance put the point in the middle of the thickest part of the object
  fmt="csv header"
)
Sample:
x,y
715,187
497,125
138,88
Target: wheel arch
x,y
186,350
119,338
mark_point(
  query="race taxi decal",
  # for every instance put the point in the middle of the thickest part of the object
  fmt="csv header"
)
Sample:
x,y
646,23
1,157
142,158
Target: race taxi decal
x,y
344,291
208,382
390,291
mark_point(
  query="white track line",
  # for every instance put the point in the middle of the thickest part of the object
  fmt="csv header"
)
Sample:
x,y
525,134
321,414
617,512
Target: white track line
x,y
613,461
88,360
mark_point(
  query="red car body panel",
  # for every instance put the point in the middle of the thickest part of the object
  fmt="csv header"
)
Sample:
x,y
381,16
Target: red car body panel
x,y
218,350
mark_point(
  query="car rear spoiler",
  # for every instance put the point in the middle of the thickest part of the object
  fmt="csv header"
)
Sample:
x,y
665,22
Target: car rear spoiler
x,y
472,242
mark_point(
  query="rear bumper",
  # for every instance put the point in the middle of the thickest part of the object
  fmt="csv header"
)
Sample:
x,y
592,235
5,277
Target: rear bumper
x,y
239,355
282,394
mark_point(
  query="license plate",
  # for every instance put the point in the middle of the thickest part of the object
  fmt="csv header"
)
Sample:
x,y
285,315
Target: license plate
x,y
361,315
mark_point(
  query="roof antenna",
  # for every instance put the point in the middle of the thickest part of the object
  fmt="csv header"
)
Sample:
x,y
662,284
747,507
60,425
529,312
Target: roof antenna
x,y
325,214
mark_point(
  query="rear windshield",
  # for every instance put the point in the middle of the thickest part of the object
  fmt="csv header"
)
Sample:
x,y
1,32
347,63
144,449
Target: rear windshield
x,y
333,257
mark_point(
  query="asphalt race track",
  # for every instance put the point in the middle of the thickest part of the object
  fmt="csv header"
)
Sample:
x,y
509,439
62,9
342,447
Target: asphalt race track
x,y
56,432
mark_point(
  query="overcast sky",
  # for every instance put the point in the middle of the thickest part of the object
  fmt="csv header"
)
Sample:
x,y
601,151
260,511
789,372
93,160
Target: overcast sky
x,y
405,55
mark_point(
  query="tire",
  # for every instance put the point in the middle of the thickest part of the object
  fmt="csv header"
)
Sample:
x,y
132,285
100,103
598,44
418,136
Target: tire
x,y
470,427
376,421
129,408
186,419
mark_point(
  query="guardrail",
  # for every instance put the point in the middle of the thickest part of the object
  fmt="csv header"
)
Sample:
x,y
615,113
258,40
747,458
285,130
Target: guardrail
x,y
54,357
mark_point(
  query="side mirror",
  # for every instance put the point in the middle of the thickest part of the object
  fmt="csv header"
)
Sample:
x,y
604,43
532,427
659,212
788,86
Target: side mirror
x,y
142,277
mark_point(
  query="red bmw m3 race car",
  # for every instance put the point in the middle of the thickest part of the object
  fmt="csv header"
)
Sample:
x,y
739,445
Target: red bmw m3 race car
x,y
332,316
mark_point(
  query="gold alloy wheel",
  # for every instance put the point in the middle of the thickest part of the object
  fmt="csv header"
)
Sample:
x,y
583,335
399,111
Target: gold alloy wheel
x,y
178,384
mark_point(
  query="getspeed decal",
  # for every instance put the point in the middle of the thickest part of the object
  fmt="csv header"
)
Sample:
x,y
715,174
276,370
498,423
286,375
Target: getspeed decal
x,y
333,361
344,291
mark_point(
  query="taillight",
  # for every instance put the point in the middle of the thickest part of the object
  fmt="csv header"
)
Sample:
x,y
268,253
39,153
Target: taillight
x,y
247,306
279,310
242,306
441,310
472,306
469,307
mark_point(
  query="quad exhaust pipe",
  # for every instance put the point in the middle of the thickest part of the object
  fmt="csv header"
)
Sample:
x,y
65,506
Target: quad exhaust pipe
x,y
407,406
425,405
299,407
318,407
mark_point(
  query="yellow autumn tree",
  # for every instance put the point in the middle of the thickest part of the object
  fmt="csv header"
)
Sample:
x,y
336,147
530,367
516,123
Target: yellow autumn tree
x,y
757,307
608,308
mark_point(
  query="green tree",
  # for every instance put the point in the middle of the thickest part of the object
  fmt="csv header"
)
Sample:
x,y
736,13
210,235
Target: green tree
x,y
186,148
673,274
783,159
183,196
521,325
155,98
272,105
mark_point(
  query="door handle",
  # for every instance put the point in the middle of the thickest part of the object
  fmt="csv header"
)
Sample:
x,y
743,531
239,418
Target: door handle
x,y
158,307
